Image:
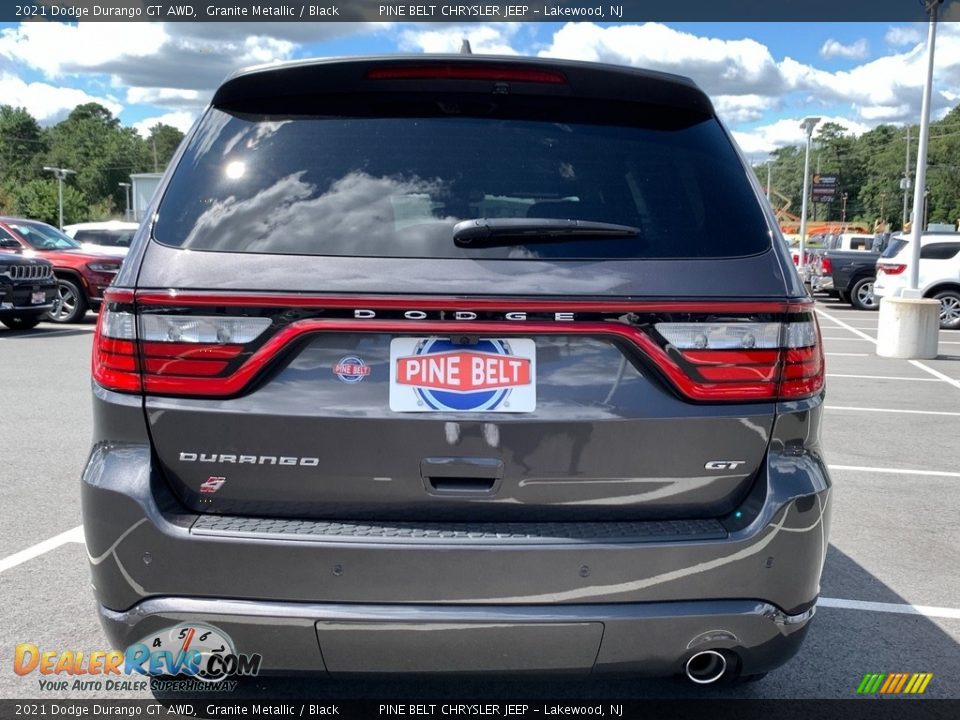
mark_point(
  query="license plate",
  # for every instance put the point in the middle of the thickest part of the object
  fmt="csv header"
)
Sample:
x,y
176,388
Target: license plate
x,y
433,374
38,298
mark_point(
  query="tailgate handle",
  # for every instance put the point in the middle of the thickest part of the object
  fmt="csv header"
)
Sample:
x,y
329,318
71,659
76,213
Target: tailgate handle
x,y
461,475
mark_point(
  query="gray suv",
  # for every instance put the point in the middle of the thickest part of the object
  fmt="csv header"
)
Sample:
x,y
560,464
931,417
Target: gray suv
x,y
461,364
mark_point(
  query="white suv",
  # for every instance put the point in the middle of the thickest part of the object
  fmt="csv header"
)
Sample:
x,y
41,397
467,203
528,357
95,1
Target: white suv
x,y
939,272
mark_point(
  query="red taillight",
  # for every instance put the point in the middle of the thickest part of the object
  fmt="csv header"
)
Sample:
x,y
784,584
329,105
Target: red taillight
x,y
826,267
734,352
114,363
888,269
167,353
468,72
746,360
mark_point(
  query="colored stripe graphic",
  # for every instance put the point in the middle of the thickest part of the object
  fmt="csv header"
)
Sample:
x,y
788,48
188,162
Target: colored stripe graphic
x,y
894,683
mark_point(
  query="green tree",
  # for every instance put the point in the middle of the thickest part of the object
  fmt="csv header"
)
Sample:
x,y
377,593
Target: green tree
x,y
38,199
22,146
92,142
162,143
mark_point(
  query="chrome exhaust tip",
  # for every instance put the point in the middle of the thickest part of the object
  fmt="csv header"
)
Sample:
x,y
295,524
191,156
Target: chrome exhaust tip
x,y
706,667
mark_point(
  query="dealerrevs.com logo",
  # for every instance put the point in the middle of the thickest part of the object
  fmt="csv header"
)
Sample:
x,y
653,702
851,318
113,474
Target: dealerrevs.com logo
x,y
202,654
434,374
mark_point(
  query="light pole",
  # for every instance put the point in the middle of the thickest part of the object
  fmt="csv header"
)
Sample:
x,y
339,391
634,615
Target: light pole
x,y
60,174
126,187
843,212
769,178
920,180
905,184
807,126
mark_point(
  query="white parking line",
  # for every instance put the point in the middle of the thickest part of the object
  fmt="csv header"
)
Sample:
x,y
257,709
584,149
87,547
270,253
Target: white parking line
x,y
852,408
73,535
915,363
900,608
894,471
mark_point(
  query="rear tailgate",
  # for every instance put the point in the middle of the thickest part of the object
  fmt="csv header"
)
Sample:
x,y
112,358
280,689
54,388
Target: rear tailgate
x,y
312,340
568,410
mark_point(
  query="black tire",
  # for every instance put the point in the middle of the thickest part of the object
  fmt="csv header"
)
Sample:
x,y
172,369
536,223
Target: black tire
x,y
70,305
22,322
949,309
861,295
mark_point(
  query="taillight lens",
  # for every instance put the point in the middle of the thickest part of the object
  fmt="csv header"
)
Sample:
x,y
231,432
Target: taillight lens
x,y
826,267
167,353
888,269
727,352
742,361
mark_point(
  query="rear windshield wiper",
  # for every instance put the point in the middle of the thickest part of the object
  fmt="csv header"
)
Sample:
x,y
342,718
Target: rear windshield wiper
x,y
491,232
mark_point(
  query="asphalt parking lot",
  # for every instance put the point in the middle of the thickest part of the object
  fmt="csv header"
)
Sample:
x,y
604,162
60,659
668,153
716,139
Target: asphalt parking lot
x,y
891,586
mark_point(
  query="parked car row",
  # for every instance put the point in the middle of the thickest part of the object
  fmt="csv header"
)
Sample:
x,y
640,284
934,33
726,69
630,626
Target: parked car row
x,y
846,268
81,273
28,289
861,277
939,272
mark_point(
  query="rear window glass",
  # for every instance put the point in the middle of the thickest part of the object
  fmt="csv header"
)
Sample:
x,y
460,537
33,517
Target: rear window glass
x,y
940,251
396,186
109,238
895,246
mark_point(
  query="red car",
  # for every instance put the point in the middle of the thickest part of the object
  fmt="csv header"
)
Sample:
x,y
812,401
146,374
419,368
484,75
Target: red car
x,y
81,276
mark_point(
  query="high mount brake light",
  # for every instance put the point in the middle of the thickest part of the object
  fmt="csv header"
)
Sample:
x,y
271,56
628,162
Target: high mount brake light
x,y
468,72
757,352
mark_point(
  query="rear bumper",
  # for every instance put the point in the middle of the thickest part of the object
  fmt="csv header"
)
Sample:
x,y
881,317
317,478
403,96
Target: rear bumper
x,y
314,596
642,638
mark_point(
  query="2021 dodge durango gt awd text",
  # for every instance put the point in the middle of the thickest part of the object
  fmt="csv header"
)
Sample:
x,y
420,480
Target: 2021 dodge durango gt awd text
x,y
446,364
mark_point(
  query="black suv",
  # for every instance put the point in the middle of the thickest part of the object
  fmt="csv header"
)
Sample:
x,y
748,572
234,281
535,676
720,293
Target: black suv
x,y
445,364
27,290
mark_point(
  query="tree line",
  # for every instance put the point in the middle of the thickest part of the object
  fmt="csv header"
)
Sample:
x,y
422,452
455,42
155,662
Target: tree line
x,y
869,169
90,141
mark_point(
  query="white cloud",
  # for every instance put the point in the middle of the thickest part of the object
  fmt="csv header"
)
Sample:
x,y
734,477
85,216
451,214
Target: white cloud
x,y
899,35
47,103
854,51
766,138
720,67
182,120
164,96
484,39
57,49
736,109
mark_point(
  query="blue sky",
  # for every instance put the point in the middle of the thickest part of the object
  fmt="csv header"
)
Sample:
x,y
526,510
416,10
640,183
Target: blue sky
x,y
763,77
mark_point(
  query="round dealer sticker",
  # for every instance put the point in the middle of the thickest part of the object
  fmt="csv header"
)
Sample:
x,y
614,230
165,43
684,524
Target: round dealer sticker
x,y
351,369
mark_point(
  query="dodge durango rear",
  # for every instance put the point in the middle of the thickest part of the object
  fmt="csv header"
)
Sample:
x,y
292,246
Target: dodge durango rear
x,y
461,364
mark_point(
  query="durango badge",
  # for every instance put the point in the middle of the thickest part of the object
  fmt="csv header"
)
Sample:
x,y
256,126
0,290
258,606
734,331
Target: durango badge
x,y
434,374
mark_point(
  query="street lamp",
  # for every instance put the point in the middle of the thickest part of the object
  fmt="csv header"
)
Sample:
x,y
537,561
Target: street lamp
x,y
807,126
920,179
60,174
126,186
